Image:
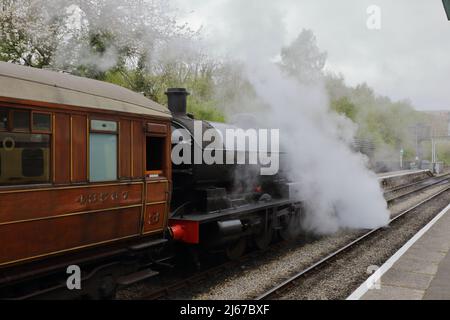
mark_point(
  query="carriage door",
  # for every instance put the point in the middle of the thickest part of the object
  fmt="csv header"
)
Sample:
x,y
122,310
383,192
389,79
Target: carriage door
x,y
156,178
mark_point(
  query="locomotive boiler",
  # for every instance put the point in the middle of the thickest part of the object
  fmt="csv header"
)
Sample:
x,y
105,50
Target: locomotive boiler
x,y
229,204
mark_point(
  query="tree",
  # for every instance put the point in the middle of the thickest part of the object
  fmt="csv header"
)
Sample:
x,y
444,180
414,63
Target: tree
x,y
30,31
137,44
303,59
345,107
380,120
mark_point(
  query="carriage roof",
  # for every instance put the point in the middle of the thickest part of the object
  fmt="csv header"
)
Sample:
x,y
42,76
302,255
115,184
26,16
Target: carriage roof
x,y
26,83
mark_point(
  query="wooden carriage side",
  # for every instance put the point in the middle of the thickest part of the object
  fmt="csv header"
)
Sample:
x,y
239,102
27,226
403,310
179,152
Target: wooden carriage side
x,y
82,164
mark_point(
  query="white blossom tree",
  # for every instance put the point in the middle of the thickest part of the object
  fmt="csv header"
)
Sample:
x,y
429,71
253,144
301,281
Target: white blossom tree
x,y
31,31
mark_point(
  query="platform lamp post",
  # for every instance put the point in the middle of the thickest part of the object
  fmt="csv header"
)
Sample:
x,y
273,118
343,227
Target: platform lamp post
x,y
415,129
447,8
434,158
401,158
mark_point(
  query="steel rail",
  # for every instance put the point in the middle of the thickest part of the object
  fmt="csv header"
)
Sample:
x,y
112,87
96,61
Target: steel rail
x,y
403,195
166,290
404,186
292,280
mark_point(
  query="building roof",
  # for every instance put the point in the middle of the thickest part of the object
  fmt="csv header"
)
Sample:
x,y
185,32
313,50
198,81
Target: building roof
x,y
26,83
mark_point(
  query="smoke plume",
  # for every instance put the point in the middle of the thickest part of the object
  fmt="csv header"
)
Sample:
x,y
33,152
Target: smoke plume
x,y
338,189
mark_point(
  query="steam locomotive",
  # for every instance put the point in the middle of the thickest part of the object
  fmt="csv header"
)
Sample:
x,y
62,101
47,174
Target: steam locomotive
x,y
86,180
225,204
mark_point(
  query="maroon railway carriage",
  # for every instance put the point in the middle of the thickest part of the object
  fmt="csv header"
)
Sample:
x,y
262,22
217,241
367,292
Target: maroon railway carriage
x,y
85,176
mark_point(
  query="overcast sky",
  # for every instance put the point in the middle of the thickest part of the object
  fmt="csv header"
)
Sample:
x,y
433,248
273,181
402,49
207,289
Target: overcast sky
x,y
408,58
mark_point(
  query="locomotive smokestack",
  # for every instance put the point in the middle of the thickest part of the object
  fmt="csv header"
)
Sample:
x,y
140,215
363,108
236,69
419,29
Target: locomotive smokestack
x,y
177,100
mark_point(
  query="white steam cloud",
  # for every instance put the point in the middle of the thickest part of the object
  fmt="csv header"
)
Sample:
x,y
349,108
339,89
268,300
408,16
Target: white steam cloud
x,y
339,191
336,186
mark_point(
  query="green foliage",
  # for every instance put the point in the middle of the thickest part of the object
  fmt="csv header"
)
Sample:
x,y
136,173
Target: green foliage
x,y
388,124
205,111
202,101
443,151
345,107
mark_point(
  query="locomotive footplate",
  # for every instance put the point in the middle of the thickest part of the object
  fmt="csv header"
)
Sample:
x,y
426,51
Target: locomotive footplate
x,y
230,224
233,212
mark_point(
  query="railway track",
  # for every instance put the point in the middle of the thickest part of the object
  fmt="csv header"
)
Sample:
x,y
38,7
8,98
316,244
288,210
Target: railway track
x,y
196,277
391,197
206,274
294,280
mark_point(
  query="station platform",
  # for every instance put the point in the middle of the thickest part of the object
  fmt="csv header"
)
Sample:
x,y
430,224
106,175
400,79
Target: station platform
x,y
395,179
393,174
420,270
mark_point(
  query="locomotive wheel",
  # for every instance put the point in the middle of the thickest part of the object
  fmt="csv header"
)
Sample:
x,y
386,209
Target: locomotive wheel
x,y
263,239
108,288
236,249
290,227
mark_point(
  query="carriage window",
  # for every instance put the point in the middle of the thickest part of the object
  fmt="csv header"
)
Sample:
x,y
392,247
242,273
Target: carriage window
x,y
41,122
103,151
104,126
32,162
21,120
155,148
25,158
4,115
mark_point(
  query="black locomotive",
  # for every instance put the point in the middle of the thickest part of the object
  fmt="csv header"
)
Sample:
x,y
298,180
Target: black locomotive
x,y
225,205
